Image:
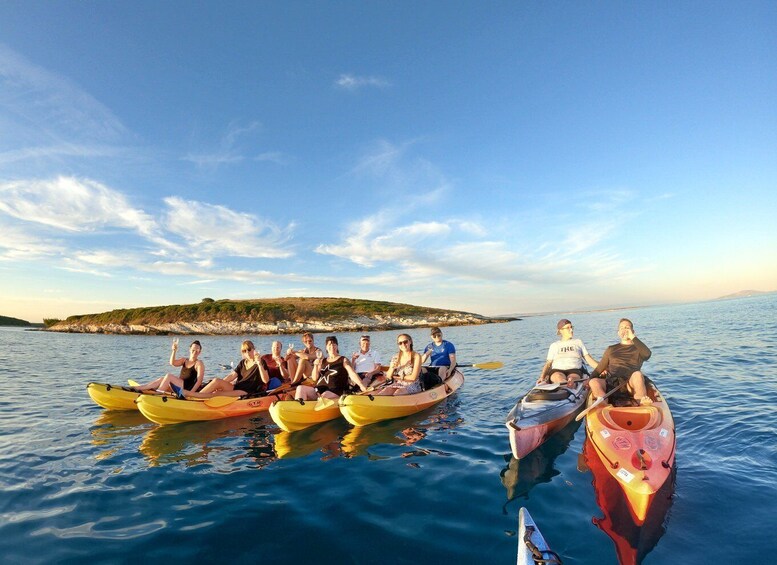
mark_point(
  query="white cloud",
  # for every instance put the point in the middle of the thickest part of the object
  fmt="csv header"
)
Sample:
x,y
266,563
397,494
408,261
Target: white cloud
x,y
216,230
351,82
74,205
273,157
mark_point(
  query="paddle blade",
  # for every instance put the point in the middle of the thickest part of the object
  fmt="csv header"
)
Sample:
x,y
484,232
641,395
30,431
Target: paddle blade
x,y
489,365
133,383
220,401
323,403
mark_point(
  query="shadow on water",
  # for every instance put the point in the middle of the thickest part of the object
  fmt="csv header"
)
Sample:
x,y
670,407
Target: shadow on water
x,y
521,475
632,542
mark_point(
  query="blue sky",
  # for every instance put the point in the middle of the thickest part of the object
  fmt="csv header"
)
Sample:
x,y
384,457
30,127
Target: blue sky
x,y
501,157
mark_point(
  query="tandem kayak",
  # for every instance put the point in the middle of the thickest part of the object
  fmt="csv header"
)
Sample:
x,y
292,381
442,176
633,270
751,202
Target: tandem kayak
x,y
364,409
542,412
636,444
532,547
113,397
171,410
295,415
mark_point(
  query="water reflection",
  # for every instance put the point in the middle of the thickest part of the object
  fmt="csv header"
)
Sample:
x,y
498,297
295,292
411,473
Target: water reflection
x,y
324,438
632,542
404,431
197,443
113,428
521,475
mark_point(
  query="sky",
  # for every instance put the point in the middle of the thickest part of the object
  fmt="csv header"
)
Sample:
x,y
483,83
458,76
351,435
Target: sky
x,y
498,157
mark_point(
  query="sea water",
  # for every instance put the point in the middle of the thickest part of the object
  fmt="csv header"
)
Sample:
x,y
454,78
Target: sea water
x,y
81,484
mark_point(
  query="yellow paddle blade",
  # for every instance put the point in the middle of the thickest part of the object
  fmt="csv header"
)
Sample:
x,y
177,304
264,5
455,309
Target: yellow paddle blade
x,y
323,403
133,383
489,365
219,401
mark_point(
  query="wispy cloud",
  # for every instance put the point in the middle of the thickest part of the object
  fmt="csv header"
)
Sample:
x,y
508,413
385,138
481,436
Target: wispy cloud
x,y
351,82
276,157
216,230
229,147
43,108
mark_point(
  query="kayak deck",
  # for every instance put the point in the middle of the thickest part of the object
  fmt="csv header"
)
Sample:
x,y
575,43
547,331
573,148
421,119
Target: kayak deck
x,y
637,446
113,397
295,415
531,543
541,413
170,410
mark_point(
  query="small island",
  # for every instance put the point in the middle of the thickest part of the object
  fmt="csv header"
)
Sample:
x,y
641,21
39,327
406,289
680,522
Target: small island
x,y
16,322
267,316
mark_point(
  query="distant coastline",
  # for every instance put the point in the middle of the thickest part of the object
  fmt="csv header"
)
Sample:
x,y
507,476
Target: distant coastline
x,y
268,316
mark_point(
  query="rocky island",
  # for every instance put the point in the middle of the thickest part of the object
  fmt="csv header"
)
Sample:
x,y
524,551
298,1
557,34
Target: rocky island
x,y
267,316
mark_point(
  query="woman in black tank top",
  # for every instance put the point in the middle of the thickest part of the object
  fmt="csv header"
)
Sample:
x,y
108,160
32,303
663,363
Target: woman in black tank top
x,y
192,371
332,375
249,377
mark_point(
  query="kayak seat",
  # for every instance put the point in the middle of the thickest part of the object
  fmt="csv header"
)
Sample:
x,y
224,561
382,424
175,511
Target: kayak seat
x,y
429,378
561,393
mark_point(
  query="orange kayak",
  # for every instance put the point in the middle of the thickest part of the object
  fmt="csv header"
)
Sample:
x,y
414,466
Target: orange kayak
x,y
636,444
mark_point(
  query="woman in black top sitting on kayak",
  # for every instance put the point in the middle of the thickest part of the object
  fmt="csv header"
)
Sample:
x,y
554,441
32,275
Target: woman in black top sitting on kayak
x,y
192,371
331,375
249,377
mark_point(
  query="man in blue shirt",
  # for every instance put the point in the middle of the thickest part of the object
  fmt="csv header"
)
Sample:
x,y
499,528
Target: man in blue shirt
x,y
442,353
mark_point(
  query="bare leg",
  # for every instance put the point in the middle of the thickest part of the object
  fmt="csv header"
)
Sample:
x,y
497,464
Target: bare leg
x,y
558,377
292,366
153,385
637,386
164,386
598,387
215,387
303,369
305,393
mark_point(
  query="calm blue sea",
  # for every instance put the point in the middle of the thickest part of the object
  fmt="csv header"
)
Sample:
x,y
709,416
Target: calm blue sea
x,y
81,484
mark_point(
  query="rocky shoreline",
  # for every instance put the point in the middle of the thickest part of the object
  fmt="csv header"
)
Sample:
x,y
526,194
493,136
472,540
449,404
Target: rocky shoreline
x,y
361,323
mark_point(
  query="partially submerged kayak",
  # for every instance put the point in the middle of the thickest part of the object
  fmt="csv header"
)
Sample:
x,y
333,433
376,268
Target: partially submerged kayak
x,y
295,415
636,444
365,409
532,547
113,397
543,411
171,410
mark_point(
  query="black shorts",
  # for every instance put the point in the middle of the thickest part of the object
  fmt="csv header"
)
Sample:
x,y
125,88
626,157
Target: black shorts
x,y
567,372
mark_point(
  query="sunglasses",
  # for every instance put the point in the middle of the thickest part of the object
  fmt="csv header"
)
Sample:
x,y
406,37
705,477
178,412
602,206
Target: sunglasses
x,y
403,342
246,350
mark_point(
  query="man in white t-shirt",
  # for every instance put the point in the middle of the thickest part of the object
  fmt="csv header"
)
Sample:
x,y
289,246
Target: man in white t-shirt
x,y
366,362
564,362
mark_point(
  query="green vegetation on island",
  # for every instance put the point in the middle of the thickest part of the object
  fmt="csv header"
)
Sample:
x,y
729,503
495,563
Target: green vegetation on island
x,y
8,321
266,310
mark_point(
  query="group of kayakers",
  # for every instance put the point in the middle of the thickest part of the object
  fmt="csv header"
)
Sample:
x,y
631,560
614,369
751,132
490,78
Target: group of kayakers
x,y
311,372
621,363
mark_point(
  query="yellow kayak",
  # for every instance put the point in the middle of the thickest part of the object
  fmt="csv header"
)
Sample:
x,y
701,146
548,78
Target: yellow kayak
x,y
113,397
294,415
170,410
364,409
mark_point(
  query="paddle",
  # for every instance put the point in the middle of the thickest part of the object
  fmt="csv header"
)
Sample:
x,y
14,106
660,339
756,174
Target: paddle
x,y
489,365
221,401
599,401
323,403
133,383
